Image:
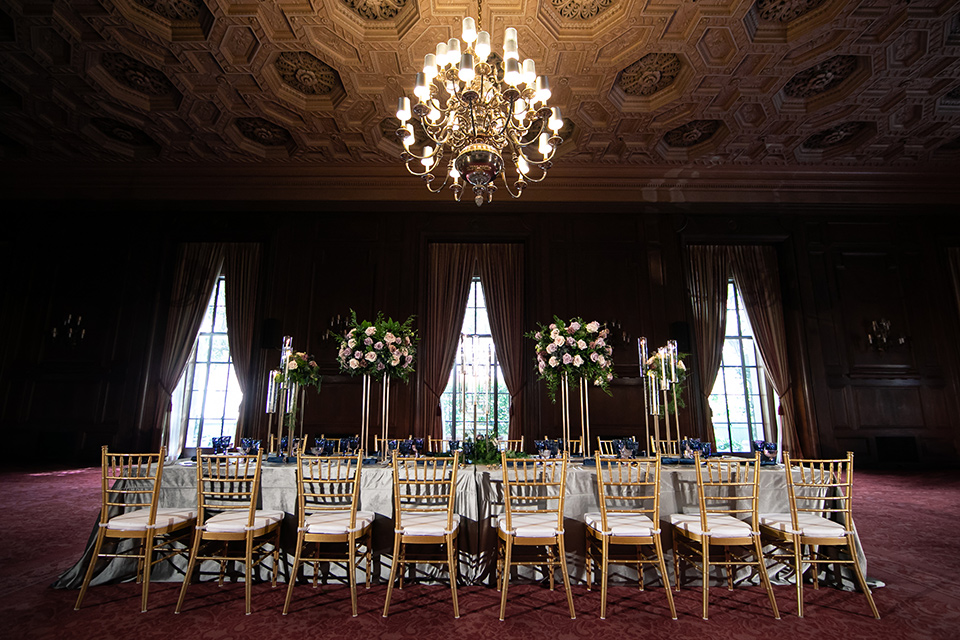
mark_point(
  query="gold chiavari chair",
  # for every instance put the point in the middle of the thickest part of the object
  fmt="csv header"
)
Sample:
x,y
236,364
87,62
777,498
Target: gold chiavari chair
x,y
533,494
629,496
227,492
130,490
609,447
437,445
727,523
665,447
510,445
820,493
424,493
575,447
328,492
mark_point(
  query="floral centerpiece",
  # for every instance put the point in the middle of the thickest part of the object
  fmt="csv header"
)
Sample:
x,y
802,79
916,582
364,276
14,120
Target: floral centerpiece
x,y
382,348
303,370
577,349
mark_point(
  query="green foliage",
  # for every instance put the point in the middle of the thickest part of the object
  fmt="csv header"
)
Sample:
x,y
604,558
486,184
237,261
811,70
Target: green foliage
x,y
303,370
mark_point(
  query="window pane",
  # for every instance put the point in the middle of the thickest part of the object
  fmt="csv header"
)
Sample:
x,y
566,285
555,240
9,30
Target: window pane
x,y
220,351
735,399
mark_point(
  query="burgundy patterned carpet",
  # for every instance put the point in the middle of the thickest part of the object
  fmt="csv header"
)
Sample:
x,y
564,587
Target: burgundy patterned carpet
x,y
907,522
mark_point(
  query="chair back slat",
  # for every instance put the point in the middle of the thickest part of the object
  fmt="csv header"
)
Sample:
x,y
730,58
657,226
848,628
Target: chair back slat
x,y
424,485
130,481
328,483
228,483
532,485
628,486
820,487
728,487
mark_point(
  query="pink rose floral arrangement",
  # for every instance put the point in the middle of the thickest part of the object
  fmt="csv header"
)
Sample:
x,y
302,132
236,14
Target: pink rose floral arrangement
x,y
384,347
576,348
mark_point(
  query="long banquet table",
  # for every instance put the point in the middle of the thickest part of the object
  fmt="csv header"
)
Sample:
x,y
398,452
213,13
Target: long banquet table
x,y
479,501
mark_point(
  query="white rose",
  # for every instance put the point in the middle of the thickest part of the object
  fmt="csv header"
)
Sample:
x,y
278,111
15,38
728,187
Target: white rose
x,y
370,357
354,364
553,361
577,361
370,331
351,343
581,344
593,327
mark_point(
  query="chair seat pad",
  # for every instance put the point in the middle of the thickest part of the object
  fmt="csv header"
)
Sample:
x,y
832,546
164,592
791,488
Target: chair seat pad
x,y
719,525
236,521
138,519
530,525
634,525
811,525
336,522
428,524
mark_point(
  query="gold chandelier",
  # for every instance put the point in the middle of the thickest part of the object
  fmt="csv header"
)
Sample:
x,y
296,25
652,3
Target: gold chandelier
x,y
474,110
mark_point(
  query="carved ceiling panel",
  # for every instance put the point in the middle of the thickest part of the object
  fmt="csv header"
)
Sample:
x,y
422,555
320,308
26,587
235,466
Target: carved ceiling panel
x,y
736,83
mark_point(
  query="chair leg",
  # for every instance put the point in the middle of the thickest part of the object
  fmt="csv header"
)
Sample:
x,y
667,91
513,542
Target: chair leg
x,y
393,573
101,534
276,557
147,565
676,562
368,552
663,575
705,560
798,572
589,563
605,568
508,549
729,568
762,568
248,571
293,574
194,550
452,570
566,576
352,571
861,578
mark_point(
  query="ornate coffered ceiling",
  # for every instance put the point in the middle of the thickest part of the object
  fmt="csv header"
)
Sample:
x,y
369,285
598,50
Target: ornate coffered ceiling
x,y
658,94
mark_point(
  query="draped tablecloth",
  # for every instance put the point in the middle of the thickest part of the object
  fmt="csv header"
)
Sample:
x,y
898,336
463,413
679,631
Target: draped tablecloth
x,y
479,502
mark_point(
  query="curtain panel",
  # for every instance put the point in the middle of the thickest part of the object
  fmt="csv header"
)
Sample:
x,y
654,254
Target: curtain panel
x,y
196,272
707,277
450,270
241,270
754,269
501,274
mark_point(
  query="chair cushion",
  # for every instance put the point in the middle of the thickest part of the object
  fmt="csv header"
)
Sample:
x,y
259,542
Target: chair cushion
x,y
719,525
530,525
623,524
138,519
236,521
811,525
427,524
336,522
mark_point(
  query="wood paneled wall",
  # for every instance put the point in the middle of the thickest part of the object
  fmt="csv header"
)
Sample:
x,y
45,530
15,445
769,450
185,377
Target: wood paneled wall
x,y
840,269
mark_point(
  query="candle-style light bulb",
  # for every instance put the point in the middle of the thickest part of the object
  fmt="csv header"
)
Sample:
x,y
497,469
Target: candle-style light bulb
x,y
420,89
453,51
556,120
529,71
469,30
466,72
403,109
482,48
543,92
430,66
511,73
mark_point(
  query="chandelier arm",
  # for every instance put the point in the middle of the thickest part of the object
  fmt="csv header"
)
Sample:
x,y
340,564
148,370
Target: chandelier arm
x,y
503,176
446,177
426,132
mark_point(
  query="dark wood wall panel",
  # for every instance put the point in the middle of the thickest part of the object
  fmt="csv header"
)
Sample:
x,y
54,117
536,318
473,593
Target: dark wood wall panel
x,y
838,272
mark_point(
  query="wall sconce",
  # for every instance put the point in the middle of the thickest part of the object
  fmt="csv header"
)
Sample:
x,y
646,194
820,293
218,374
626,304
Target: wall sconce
x,y
70,332
338,326
878,336
618,337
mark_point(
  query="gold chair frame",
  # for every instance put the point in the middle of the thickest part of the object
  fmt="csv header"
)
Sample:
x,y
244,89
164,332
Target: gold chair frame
x,y
231,485
423,488
605,447
670,448
129,486
625,489
530,486
330,486
816,490
510,445
729,483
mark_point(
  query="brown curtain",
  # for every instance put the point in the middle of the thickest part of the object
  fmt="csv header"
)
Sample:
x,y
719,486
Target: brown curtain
x,y
707,283
197,270
241,270
754,269
953,255
450,270
501,275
